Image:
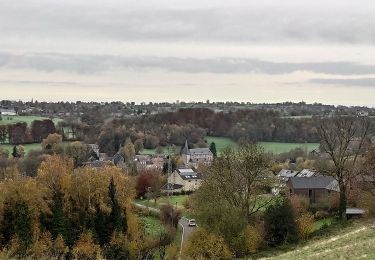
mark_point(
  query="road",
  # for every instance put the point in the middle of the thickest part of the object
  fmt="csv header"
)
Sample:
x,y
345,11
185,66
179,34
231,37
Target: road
x,y
186,230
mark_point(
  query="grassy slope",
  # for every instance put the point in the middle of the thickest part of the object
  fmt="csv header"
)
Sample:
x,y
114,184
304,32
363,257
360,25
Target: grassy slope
x,y
153,226
27,119
351,242
179,199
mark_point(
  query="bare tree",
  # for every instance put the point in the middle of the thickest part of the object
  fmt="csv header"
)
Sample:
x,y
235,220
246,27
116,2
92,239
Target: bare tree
x,y
343,139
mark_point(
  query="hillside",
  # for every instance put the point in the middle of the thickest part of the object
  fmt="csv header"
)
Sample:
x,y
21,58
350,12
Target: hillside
x,y
353,242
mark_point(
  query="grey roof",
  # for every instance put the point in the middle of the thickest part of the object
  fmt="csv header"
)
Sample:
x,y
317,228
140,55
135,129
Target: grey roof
x,y
188,174
117,158
95,164
287,173
306,173
315,182
200,151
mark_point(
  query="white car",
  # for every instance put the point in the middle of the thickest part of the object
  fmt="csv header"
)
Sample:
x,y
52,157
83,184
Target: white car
x,y
192,223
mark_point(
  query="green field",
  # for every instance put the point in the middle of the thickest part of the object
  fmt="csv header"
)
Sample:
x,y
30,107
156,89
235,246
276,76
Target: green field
x,y
276,148
153,226
27,119
27,147
179,199
356,241
272,147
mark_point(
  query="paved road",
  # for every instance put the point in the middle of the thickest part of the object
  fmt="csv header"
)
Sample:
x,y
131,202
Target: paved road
x,y
186,230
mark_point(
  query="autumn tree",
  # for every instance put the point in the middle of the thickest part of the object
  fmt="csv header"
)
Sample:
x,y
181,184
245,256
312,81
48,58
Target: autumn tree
x,y
343,139
51,141
138,146
78,151
205,245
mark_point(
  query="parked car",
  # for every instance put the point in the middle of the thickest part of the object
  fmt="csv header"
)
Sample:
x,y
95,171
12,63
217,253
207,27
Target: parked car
x,y
192,223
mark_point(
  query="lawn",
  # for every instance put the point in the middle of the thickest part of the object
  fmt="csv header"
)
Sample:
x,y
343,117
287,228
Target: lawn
x,y
272,147
351,242
276,148
179,199
27,147
153,226
27,119
221,142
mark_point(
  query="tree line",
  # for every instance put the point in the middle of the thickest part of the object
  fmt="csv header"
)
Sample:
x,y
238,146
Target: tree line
x,y
20,133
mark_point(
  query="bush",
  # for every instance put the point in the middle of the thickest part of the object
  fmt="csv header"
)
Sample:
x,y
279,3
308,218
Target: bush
x,y
305,224
170,215
204,245
321,206
320,214
254,238
299,203
280,224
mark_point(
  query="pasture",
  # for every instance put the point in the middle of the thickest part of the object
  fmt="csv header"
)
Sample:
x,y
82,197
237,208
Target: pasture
x,y
27,119
271,147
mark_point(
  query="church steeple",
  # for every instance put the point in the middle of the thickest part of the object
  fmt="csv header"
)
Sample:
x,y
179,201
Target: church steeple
x,y
186,148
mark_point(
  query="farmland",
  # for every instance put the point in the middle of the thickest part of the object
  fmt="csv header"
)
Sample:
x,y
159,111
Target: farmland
x,y
28,147
272,147
27,119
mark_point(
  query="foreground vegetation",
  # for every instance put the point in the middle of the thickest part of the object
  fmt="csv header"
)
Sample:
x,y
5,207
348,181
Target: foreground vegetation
x,y
353,241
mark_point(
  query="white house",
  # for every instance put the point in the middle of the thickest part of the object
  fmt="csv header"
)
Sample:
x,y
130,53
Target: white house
x,y
184,180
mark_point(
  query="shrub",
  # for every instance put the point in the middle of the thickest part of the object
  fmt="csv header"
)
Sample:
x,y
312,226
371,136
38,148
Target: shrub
x,y
85,248
205,245
170,215
320,214
254,238
172,252
305,224
280,224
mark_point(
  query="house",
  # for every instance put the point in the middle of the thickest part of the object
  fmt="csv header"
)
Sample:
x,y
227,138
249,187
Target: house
x,y
316,188
93,150
187,178
196,156
6,111
285,174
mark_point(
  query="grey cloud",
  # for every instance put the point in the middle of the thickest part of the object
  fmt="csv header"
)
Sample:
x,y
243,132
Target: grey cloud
x,y
240,23
87,64
359,82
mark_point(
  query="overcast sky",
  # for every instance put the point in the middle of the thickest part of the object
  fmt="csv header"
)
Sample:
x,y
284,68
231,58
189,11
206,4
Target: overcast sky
x,y
192,50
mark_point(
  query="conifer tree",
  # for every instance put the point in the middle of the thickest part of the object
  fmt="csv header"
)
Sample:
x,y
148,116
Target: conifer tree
x,y
213,149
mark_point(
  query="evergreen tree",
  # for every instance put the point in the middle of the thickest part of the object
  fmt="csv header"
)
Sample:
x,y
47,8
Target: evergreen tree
x,y
101,229
280,223
115,218
213,149
58,222
22,225
14,153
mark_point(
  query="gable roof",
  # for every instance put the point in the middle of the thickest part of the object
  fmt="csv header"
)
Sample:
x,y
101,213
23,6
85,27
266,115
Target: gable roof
x,y
200,151
315,182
